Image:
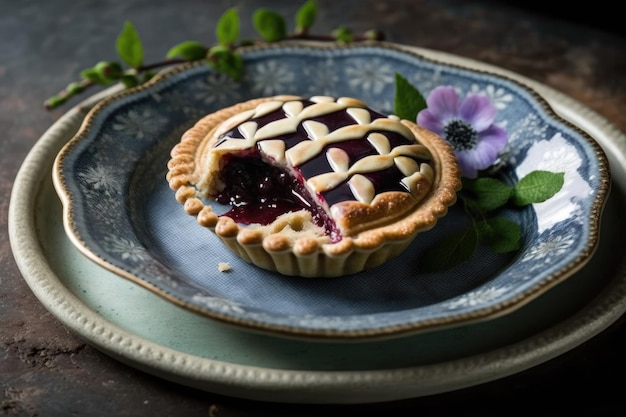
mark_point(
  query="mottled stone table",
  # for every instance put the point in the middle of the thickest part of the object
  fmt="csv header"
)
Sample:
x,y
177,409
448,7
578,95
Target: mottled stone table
x,y
47,371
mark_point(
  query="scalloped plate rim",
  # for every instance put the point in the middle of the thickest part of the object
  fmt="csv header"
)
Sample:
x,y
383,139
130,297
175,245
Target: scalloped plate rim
x,y
324,333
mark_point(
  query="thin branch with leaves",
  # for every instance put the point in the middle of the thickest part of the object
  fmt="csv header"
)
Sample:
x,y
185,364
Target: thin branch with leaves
x,y
224,55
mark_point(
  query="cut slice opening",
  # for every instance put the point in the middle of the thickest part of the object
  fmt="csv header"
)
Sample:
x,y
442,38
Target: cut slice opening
x,y
259,191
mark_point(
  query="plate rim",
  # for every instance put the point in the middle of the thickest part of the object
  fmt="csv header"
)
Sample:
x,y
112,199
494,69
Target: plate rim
x,y
287,385
334,334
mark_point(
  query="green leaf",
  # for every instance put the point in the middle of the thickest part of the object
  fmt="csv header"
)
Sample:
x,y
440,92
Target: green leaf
x,y
148,75
55,101
305,16
451,251
130,80
226,61
502,235
270,25
92,75
129,47
488,193
343,34
227,30
74,88
537,186
114,71
105,72
408,100
188,50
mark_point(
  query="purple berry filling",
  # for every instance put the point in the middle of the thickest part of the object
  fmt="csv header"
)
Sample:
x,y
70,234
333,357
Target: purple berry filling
x,y
263,191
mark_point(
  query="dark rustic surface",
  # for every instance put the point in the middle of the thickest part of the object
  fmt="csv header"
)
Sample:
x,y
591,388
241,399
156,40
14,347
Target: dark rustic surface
x,y
47,371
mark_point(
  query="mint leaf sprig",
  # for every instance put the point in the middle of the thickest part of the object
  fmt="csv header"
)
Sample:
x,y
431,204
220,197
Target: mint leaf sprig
x,y
482,199
224,55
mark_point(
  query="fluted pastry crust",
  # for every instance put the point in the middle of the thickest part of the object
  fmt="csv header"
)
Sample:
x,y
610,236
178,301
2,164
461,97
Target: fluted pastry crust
x,y
373,223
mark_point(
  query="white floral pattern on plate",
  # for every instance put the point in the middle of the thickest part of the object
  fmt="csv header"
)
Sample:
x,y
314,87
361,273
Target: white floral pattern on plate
x,y
122,212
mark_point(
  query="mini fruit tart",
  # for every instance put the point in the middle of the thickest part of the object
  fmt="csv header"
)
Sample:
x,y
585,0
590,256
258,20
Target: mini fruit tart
x,y
315,187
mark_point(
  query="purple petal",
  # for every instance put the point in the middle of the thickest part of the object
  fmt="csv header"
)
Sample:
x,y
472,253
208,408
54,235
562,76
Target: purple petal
x,y
486,152
477,110
443,102
466,164
471,162
428,120
495,137
484,155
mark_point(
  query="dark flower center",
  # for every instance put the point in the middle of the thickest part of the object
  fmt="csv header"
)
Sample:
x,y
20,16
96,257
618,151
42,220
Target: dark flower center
x,y
460,134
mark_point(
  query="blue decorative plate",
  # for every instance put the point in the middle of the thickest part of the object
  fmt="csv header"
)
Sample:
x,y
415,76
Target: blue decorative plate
x,y
121,213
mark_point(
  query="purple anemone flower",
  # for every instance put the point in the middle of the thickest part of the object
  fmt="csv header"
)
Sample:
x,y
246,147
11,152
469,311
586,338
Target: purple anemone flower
x,y
468,125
